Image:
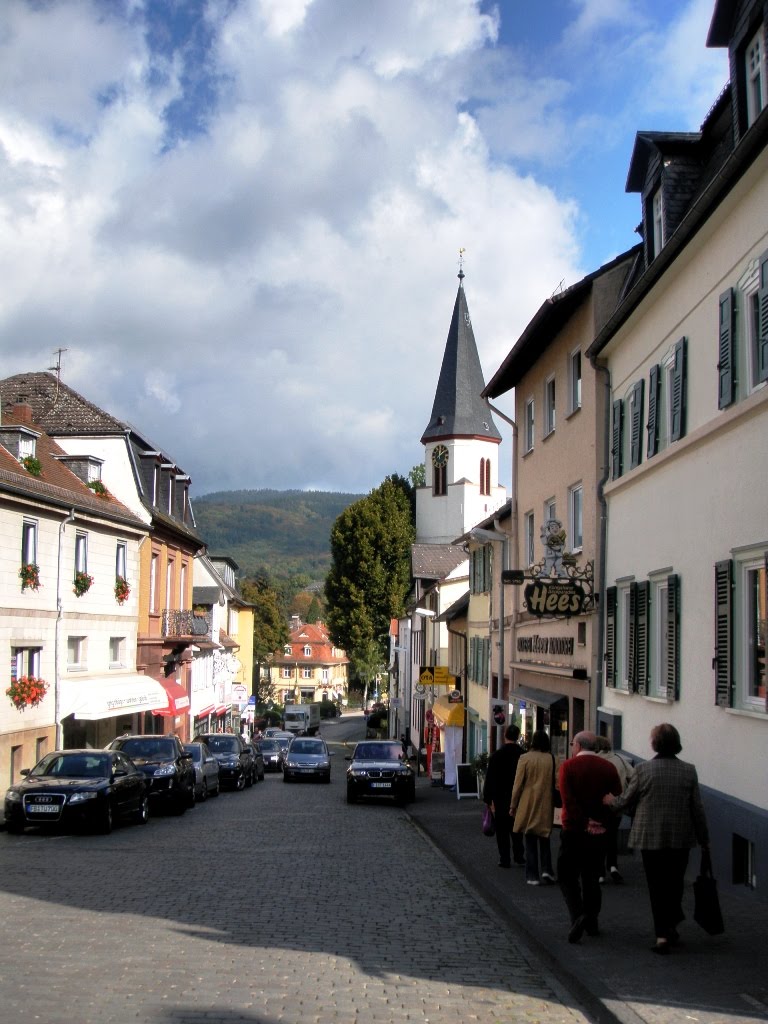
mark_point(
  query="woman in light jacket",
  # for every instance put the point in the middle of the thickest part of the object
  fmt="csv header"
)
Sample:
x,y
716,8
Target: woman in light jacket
x,y
668,822
533,807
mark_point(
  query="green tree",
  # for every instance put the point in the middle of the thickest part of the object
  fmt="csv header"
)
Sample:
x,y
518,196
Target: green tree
x,y
270,630
370,575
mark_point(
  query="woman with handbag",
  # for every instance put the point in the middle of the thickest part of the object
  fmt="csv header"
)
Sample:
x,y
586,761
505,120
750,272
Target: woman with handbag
x,y
532,807
669,820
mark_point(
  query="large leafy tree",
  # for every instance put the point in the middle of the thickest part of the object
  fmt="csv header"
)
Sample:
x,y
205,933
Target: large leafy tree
x,y
370,575
270,628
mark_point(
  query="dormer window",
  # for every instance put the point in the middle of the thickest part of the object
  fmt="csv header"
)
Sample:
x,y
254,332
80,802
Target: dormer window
x,y
27,446
307,651
754,58
657,222
287,650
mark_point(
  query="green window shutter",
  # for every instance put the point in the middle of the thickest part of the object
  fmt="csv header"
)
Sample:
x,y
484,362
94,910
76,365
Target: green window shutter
x,y
610,636
616,439
673,637
654,394
762,300
486,655
636,424
722,663
487,567
641,636
725,366
678,397
632,660
765,622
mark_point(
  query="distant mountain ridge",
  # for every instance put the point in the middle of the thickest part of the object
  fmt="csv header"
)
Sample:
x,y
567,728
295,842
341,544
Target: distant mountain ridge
x,y
285,532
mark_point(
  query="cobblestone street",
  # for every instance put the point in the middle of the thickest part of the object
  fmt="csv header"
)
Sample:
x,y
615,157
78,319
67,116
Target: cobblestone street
x,y
280,903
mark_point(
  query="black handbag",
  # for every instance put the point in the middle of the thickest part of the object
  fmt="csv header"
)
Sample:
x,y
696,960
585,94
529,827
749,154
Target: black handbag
x,y
489,824
706,911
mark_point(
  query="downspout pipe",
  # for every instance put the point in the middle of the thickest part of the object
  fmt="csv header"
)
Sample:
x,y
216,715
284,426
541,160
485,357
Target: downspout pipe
x,y
57,635
602,541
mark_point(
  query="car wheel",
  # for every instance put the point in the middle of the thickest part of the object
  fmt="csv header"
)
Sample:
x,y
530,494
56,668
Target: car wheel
x,y
351,796
217,790
142,815
327,778
191,795
240,784
286,777
204,791
104,826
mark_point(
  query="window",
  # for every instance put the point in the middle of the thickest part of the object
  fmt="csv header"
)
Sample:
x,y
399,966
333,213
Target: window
x,y
529,424
81,552
574,381
624,638
479,659
635,415
550,509
619,636
667,399
121,559
741,600
440,457
758,326
485,476
154,569
25,661
576,516
169,575
617,439
183,586
93,471
76,656
664,634
529,539
755,75
657,222
306,673
287,650
116,651
170,493
27,445
155,484
29,542
549,406
307,651
755,611
287,673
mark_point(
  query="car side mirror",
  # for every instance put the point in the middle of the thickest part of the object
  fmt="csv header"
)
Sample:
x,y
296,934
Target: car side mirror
x,y
25,771
348,757
119,773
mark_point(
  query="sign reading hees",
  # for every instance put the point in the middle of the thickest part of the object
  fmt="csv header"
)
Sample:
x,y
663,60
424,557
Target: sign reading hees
x,y
550,597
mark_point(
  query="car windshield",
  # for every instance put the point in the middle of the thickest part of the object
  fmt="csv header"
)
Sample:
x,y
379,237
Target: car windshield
x,y
196,750
148,748
223,744
307,747
283,741
74,766
378,752
268,746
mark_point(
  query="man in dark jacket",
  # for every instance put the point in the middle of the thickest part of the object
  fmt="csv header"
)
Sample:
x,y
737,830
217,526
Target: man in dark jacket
x,y
497,793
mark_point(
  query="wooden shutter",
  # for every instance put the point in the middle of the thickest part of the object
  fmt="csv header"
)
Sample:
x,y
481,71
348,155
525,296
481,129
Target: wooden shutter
x,y
654,393
632,634
616,442
762,300
487,567
642,601
610,636
636,424
673,637
764,627
725,365
722,659
678,397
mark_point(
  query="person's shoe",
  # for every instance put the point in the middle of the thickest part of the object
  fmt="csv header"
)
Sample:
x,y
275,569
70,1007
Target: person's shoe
x,y
601,879
519,863
547,879
590,927
673,938
616,876
503,864
661,948
577,928
532,881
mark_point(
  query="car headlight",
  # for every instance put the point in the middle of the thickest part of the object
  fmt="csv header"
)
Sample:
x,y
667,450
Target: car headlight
x,y
165,769
79,798
360,773
291,764
13,796
324,764
233,763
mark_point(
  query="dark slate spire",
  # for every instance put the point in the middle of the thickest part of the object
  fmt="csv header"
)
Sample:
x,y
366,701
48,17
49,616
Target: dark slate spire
x,y
458,409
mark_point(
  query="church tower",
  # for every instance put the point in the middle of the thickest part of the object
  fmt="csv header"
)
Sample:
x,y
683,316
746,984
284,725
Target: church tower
x,y
461,442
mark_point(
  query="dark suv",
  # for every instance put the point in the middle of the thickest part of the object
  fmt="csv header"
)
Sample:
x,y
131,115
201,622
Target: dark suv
x,y
169,769
237,767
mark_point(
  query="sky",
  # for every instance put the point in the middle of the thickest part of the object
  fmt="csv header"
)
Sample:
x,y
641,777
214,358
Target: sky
x,y
241,219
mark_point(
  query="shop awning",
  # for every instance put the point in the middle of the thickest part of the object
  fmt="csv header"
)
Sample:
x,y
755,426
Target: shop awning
x,y
109,696
204,712
543,698
178,701
447,713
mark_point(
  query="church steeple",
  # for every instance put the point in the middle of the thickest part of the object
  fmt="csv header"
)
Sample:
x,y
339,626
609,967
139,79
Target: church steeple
x,y
458,409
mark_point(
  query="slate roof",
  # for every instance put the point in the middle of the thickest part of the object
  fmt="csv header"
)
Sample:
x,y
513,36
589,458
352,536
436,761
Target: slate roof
x,y
435,561
458,409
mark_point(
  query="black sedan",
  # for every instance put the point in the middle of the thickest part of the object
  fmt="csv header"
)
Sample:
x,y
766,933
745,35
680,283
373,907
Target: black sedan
x,y
307,759
78,788
168,768
272,754
378,769
236,765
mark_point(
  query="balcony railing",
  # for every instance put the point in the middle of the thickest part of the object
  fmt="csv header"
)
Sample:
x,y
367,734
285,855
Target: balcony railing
x,y
178,622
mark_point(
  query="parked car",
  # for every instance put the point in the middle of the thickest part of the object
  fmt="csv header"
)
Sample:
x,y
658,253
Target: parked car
x,y
75,788
236,765
307,759
273,730
271,753
378,769
258,760
206,770
166,765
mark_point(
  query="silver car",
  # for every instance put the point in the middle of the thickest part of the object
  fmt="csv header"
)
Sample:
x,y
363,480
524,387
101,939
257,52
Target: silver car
x,y
206,770
307,758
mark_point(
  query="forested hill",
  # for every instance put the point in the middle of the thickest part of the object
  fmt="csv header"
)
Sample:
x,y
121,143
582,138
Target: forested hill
x,y
285,532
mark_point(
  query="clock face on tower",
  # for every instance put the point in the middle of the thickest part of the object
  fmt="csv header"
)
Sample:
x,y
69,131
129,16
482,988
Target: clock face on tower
x,y
439,456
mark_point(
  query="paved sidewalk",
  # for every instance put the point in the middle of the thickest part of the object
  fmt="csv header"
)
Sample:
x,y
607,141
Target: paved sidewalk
x,y
707,980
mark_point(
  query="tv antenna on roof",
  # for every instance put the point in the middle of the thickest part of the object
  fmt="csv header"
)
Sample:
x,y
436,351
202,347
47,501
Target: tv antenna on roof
x,y
59,352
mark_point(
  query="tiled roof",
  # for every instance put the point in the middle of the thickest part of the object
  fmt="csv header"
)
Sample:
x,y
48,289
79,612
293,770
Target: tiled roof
x,y
435,561
56,407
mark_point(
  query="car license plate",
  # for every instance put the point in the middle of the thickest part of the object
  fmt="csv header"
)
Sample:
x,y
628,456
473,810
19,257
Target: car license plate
x,y
381,785
306,769
43,809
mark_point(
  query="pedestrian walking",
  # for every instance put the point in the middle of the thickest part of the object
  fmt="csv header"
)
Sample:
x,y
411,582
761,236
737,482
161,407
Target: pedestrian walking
x,y
626,772
497,794
533,808
669,821
584,779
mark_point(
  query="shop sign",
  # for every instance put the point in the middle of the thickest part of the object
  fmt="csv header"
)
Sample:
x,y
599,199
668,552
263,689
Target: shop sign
x,y
549,597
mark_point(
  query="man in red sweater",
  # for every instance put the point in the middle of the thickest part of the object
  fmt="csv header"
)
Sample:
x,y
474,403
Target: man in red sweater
x,y
584,780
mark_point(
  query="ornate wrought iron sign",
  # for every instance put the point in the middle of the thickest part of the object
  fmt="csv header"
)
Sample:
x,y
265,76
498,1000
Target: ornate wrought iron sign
x,y
558,587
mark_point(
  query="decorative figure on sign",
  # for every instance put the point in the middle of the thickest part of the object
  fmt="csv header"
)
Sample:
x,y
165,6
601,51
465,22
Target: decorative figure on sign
x,y
553,538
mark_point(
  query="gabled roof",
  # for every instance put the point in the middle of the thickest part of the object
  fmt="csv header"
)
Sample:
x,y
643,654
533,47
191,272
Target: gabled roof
x,y
664,143
721,26
457,610
435,561
458,409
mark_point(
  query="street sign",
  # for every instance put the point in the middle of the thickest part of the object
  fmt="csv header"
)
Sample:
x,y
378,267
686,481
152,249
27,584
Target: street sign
x,y
252,700
239,693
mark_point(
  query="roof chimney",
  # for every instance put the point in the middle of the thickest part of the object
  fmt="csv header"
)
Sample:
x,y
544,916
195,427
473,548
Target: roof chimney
x,y
21,412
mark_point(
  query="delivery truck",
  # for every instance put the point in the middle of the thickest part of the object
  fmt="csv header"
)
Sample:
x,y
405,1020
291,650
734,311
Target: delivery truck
x,y
302,719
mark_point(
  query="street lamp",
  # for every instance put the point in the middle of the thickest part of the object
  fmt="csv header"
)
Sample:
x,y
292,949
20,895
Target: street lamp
x,y
494,537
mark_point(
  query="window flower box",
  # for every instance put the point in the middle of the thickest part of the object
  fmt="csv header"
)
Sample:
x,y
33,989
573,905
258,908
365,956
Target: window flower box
x,y
98,488
29,574
81,584
26,692
122,589
32,465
